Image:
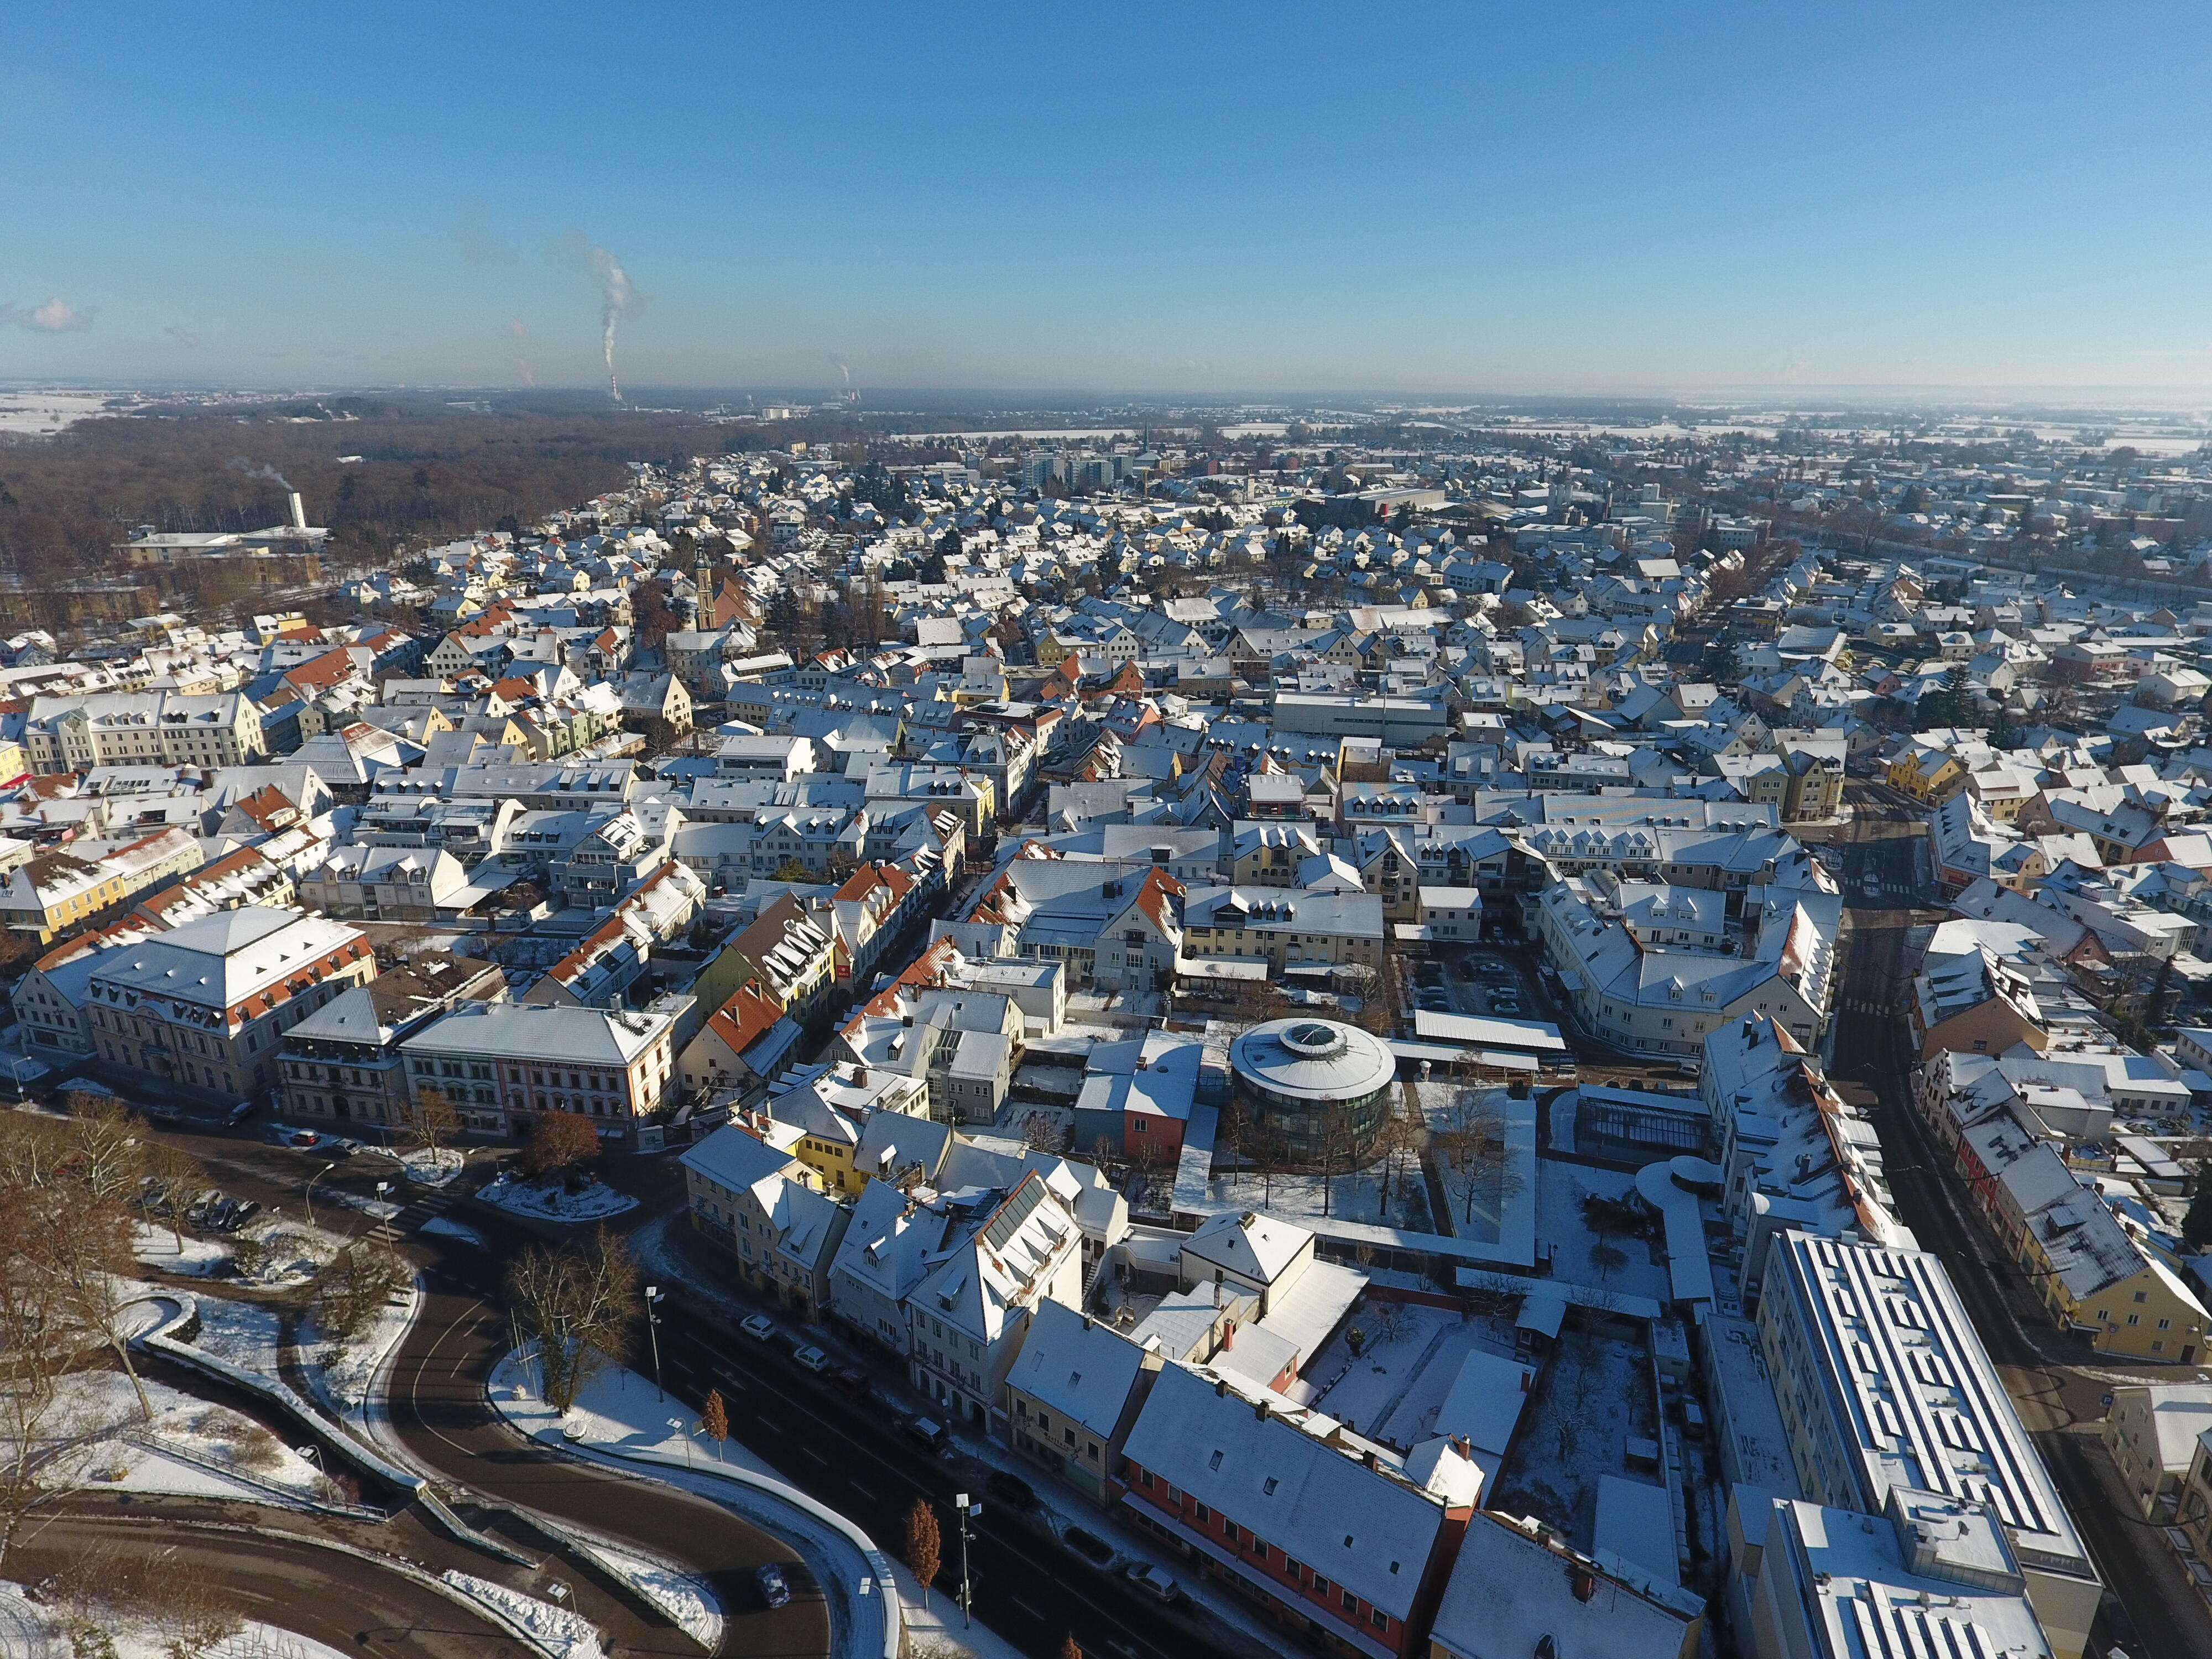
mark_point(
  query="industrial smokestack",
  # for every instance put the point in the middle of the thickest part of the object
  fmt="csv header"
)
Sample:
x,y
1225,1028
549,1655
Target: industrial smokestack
x,y
299,512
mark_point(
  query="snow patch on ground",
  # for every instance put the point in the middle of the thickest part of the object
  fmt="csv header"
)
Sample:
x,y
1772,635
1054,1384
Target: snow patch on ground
x,y
376,1209
1560,1190
340,1378
428,1168
597,1202
26,1631
446,1227
568,1635
244,1332
98,1438
289,1253
200,1258
1409,1359
683,1599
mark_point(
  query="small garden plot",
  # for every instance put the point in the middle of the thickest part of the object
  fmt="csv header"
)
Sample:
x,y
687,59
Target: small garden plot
x,y
277,1254
1594,1395
428,1166
558,1199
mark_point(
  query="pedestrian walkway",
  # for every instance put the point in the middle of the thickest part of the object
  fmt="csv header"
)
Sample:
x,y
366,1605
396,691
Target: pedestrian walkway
x,y
434,1202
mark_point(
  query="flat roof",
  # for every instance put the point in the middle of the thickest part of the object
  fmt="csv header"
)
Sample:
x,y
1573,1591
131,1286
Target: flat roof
x,y
1910,1380
1529,1036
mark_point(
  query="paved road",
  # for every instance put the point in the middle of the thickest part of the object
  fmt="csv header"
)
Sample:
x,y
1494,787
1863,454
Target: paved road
x,y
439,1407
351,1604
2056,1384
1028,1589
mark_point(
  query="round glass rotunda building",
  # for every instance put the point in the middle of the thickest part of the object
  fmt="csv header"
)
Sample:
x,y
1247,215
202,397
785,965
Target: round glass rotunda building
x,y
1292,1074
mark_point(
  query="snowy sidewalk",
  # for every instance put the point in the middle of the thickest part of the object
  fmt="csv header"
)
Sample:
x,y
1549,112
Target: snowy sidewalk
x,y
620,1419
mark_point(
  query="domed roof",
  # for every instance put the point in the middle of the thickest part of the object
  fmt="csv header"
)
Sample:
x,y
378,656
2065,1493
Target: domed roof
x,y
1316,1059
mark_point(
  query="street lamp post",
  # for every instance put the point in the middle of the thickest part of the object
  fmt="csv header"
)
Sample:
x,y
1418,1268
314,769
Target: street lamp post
x,y
310,1193
653,1330
967,1614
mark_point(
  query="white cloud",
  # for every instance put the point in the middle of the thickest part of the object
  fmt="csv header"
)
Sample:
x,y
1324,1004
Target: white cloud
x,y
57,316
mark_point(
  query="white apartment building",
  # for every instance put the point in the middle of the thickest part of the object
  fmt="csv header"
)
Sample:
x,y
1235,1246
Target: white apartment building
x,y
1883,1385
966,1319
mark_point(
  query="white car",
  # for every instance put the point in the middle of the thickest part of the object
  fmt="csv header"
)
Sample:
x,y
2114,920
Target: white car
x,y
811,1358
759,1327
1146,1576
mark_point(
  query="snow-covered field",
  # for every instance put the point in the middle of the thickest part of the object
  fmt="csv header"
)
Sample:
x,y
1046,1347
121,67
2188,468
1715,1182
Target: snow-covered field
x,y
596,1202
40,414
244,1332
1355,1197
570,1635
97,1437
1560,1190
200,1258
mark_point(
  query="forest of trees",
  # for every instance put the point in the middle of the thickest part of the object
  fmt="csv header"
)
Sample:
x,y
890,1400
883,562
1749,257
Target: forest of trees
x,y
428,472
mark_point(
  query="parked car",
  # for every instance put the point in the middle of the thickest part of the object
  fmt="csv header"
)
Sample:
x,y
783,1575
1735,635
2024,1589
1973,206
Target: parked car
x,y
759,1327
241,1213
239,1112
1010,1489
1503,1005
851,1380
928,1430
811,1358
1146,1576
773,1590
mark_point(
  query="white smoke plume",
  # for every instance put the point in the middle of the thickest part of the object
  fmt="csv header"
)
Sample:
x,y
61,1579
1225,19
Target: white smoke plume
x,y
838,363
253,470
518,331
615,280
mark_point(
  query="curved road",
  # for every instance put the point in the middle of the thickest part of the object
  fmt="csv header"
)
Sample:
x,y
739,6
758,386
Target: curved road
x,y
438,1407
351,1604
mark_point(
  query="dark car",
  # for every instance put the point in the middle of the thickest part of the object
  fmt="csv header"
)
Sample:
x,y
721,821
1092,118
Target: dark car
x,y
773,1590
851,1379
1010,1489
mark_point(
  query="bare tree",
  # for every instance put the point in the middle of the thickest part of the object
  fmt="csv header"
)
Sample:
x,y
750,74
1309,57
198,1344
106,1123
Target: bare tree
x,y
1043,1133
82,1243
577,1304
431,1121
1336,1148
559,1141
173,1175
1470,1148
34,1340
352,1285
106,1147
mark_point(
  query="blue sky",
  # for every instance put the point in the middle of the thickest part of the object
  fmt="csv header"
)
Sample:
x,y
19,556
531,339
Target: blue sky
x,y
1171,199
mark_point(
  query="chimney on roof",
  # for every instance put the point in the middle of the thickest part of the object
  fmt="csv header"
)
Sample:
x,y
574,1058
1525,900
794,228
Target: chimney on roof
x,y
1585,1583
1368,1458
1220,1387
299,512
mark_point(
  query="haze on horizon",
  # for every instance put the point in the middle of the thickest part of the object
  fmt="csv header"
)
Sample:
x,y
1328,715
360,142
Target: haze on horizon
x,y
1449,202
